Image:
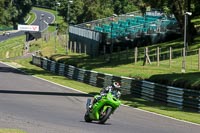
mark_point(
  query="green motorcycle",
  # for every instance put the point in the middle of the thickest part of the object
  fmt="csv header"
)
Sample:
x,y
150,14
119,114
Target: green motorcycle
x,y
102,109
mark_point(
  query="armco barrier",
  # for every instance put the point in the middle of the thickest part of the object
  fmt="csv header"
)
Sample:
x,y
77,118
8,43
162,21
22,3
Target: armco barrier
x,y
178,97
175,96
61,69
53,66
71,71
93,78
81,75
100,80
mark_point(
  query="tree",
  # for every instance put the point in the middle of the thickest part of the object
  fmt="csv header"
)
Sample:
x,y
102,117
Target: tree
x,y
178,8
69,15
2,13
13,11
97,9
23,7
195,6
88,10
124,6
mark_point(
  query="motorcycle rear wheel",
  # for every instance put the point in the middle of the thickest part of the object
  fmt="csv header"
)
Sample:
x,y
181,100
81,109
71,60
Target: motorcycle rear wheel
x,y
106,116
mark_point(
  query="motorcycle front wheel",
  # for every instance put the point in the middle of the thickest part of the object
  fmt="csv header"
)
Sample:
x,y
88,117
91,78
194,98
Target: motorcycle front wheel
x,y
87,117
105,115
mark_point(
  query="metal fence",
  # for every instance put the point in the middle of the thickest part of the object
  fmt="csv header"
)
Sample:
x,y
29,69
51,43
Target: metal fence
x,y
178,97
165,57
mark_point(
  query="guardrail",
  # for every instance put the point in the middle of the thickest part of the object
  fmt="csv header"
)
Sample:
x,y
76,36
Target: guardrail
x,y
178,97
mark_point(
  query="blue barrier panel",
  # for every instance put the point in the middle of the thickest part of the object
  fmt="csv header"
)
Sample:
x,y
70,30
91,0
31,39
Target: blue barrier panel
x,y
175,96
93,78
116,79
70,72
147,91
126,85
107,80
87,77
136,88
81,75
61,69
66,70
48,65
37,60
75,74
57,66
44,63
191,99
52,66
160,93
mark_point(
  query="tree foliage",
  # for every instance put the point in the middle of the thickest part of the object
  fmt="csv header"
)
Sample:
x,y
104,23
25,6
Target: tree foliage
x,y
178,8
13,11
86,10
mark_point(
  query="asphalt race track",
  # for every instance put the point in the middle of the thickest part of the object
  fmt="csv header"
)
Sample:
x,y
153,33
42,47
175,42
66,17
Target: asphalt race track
x,y
38,106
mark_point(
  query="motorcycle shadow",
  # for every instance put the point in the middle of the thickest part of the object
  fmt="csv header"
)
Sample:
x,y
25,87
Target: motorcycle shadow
x,y
97,123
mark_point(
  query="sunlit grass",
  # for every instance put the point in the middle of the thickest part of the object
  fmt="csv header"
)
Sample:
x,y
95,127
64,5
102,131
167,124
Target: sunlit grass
x,y
12,47
11,131
161,109
31,17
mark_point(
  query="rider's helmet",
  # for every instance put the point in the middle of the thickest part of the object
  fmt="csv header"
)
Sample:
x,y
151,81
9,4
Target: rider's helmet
x,y
116,85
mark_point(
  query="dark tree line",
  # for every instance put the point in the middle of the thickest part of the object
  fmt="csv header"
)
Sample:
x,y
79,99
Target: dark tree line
x,y
79,11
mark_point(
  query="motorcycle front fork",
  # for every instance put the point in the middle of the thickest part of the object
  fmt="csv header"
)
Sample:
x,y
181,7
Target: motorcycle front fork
x,y
88,103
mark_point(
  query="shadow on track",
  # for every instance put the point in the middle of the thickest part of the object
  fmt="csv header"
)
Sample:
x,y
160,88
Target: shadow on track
x,y
44,93
97,123
11,70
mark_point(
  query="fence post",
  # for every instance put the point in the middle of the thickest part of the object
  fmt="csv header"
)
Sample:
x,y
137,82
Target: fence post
x,y
75,46
170,56
146,57
183,62
71,45
136,54
80,49
85,49
67,45
158,57
199,60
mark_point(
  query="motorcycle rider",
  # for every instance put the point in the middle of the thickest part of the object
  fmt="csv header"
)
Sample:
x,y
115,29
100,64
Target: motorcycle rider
x,y
114,89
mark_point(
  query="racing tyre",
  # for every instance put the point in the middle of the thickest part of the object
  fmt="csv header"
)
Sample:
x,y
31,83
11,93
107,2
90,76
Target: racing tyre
x,y
106,115
87,118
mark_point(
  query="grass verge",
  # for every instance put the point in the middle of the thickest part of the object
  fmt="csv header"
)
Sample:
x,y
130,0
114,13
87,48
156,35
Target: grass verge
x,y
11,131
31,18
12,47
